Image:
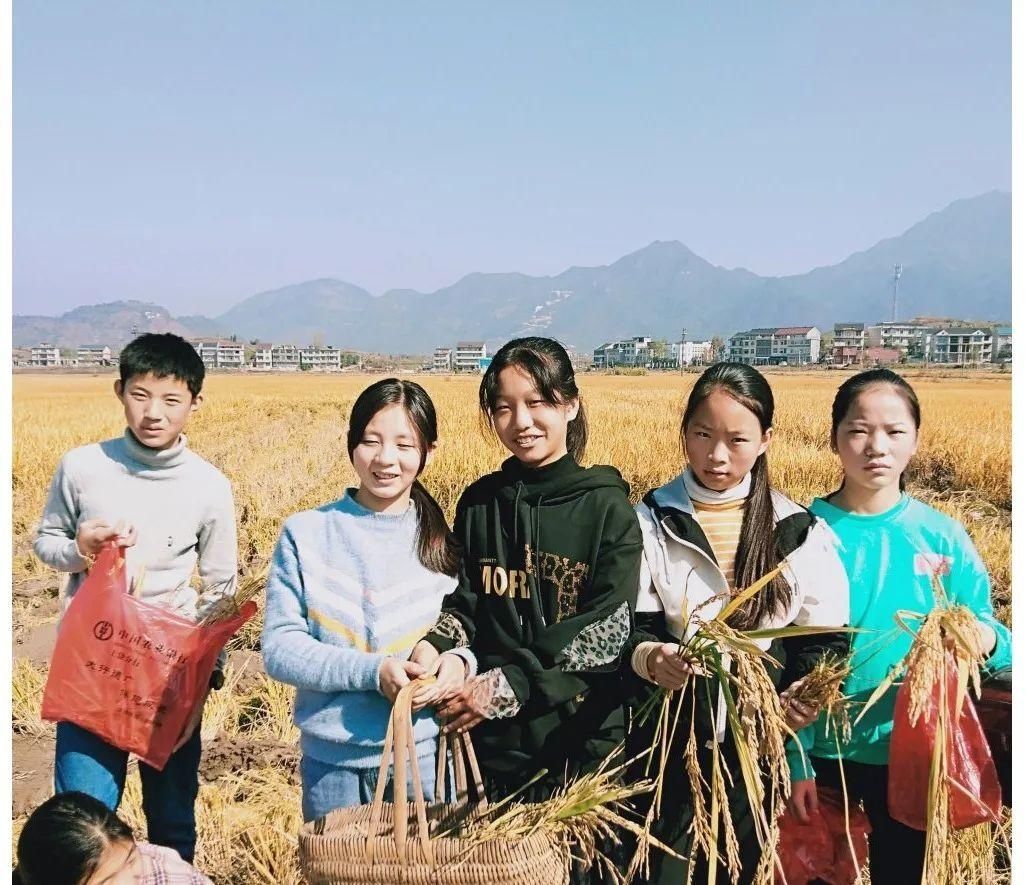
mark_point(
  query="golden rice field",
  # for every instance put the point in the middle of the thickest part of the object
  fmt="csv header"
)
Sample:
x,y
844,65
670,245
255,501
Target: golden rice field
x,y
280,439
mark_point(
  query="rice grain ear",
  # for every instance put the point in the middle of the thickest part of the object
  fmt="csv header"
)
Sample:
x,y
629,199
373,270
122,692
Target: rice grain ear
x,y
945,632
226,605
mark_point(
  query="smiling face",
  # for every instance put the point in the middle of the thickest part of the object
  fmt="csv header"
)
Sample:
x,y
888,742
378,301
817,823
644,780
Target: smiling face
x,y
388,458
722,441
532,429
156,409
876,440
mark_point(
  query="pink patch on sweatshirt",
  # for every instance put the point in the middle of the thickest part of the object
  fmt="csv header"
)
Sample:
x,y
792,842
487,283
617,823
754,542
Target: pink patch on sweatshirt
x,y
936,564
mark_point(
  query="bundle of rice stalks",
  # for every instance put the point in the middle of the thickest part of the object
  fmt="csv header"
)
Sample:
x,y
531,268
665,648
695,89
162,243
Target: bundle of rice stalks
x,y
758,727
947,631
972,855
821,688
219,602
588,811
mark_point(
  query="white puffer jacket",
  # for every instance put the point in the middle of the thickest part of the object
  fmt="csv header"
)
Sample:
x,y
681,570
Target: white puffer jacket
x,y
681,580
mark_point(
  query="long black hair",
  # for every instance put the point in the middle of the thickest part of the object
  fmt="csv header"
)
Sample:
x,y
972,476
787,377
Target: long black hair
x,y
547,364
756,549
64,840
856,385
437,548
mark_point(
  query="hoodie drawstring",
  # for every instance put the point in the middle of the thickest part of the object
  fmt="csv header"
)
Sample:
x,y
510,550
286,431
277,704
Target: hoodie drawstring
x,y
537,539
516,514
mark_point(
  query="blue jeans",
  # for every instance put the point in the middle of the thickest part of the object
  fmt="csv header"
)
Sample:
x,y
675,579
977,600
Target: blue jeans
x,y
327,787
87,763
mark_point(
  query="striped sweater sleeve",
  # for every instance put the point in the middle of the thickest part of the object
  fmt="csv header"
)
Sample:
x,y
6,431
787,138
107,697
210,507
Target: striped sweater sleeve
x,y
291,654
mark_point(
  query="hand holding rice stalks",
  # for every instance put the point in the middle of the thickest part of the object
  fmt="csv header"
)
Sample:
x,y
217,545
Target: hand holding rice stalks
x,y
821,689
758,726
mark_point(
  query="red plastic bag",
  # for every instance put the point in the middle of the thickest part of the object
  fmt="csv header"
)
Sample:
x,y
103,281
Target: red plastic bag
x,y
820,849
129,671
974,791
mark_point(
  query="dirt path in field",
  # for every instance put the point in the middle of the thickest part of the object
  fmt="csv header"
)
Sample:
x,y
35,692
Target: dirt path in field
x,y
35,633
32,775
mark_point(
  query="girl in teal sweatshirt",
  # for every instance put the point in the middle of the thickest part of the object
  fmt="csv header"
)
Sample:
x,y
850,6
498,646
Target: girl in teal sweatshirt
x,y
891,545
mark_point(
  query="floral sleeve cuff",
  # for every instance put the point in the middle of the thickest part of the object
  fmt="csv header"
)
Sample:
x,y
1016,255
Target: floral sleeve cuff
x,y
494,696
449,626
600,644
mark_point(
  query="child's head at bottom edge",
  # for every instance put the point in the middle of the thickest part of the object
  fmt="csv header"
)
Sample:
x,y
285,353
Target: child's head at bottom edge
x,y
74,839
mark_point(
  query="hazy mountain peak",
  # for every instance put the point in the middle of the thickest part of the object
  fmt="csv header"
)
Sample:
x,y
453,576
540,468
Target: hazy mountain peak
x,y
953,258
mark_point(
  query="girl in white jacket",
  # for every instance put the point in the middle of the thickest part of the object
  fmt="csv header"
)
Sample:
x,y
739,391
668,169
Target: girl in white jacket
x,y
717,528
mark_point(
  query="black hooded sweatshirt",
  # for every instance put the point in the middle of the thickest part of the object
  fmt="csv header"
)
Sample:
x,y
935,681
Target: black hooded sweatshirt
x,y
547,587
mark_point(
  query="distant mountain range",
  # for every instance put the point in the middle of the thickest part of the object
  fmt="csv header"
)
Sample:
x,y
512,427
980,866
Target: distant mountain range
x,y
956,262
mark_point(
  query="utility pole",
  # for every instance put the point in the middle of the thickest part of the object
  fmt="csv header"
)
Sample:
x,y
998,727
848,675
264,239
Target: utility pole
x,y
894,303
683,335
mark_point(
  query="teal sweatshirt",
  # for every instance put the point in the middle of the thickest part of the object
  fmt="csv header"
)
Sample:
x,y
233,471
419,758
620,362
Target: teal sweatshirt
x,y
889,558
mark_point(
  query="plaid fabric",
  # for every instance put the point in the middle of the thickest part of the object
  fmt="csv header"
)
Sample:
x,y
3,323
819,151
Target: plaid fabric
x,y
163,866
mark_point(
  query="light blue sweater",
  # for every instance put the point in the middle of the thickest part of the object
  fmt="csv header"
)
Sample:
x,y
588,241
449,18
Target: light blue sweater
x,y
346,590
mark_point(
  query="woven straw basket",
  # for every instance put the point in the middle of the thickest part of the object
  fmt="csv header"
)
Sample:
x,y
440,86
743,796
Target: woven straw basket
x,y
385,843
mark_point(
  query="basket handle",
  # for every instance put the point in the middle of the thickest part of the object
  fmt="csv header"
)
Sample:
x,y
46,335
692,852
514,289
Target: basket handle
x,y
400,749
462,750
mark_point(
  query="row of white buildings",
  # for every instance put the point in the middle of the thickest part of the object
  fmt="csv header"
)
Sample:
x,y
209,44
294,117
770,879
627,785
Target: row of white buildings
x,y
216,353
787,345
466,356
49,356
926,339
222,353
642,351
923,339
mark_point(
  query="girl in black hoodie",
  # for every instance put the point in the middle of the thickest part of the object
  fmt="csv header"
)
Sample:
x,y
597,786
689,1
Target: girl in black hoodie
x,y
547,584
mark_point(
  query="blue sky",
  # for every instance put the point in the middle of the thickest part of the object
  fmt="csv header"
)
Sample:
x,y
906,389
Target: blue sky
x,y
194,153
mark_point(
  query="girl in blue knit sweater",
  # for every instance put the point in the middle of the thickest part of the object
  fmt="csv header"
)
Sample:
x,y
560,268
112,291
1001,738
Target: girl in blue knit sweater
x,y
353,585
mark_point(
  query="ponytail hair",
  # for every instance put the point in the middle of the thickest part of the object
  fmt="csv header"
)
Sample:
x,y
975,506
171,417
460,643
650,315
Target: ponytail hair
x,y
437,547
853,387
757,553
64,839
546,362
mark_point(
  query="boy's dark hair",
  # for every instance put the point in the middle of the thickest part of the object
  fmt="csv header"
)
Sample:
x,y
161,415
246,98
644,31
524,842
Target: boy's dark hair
x,y
64,839
546,363
756,548
163,355
849,392
437,547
